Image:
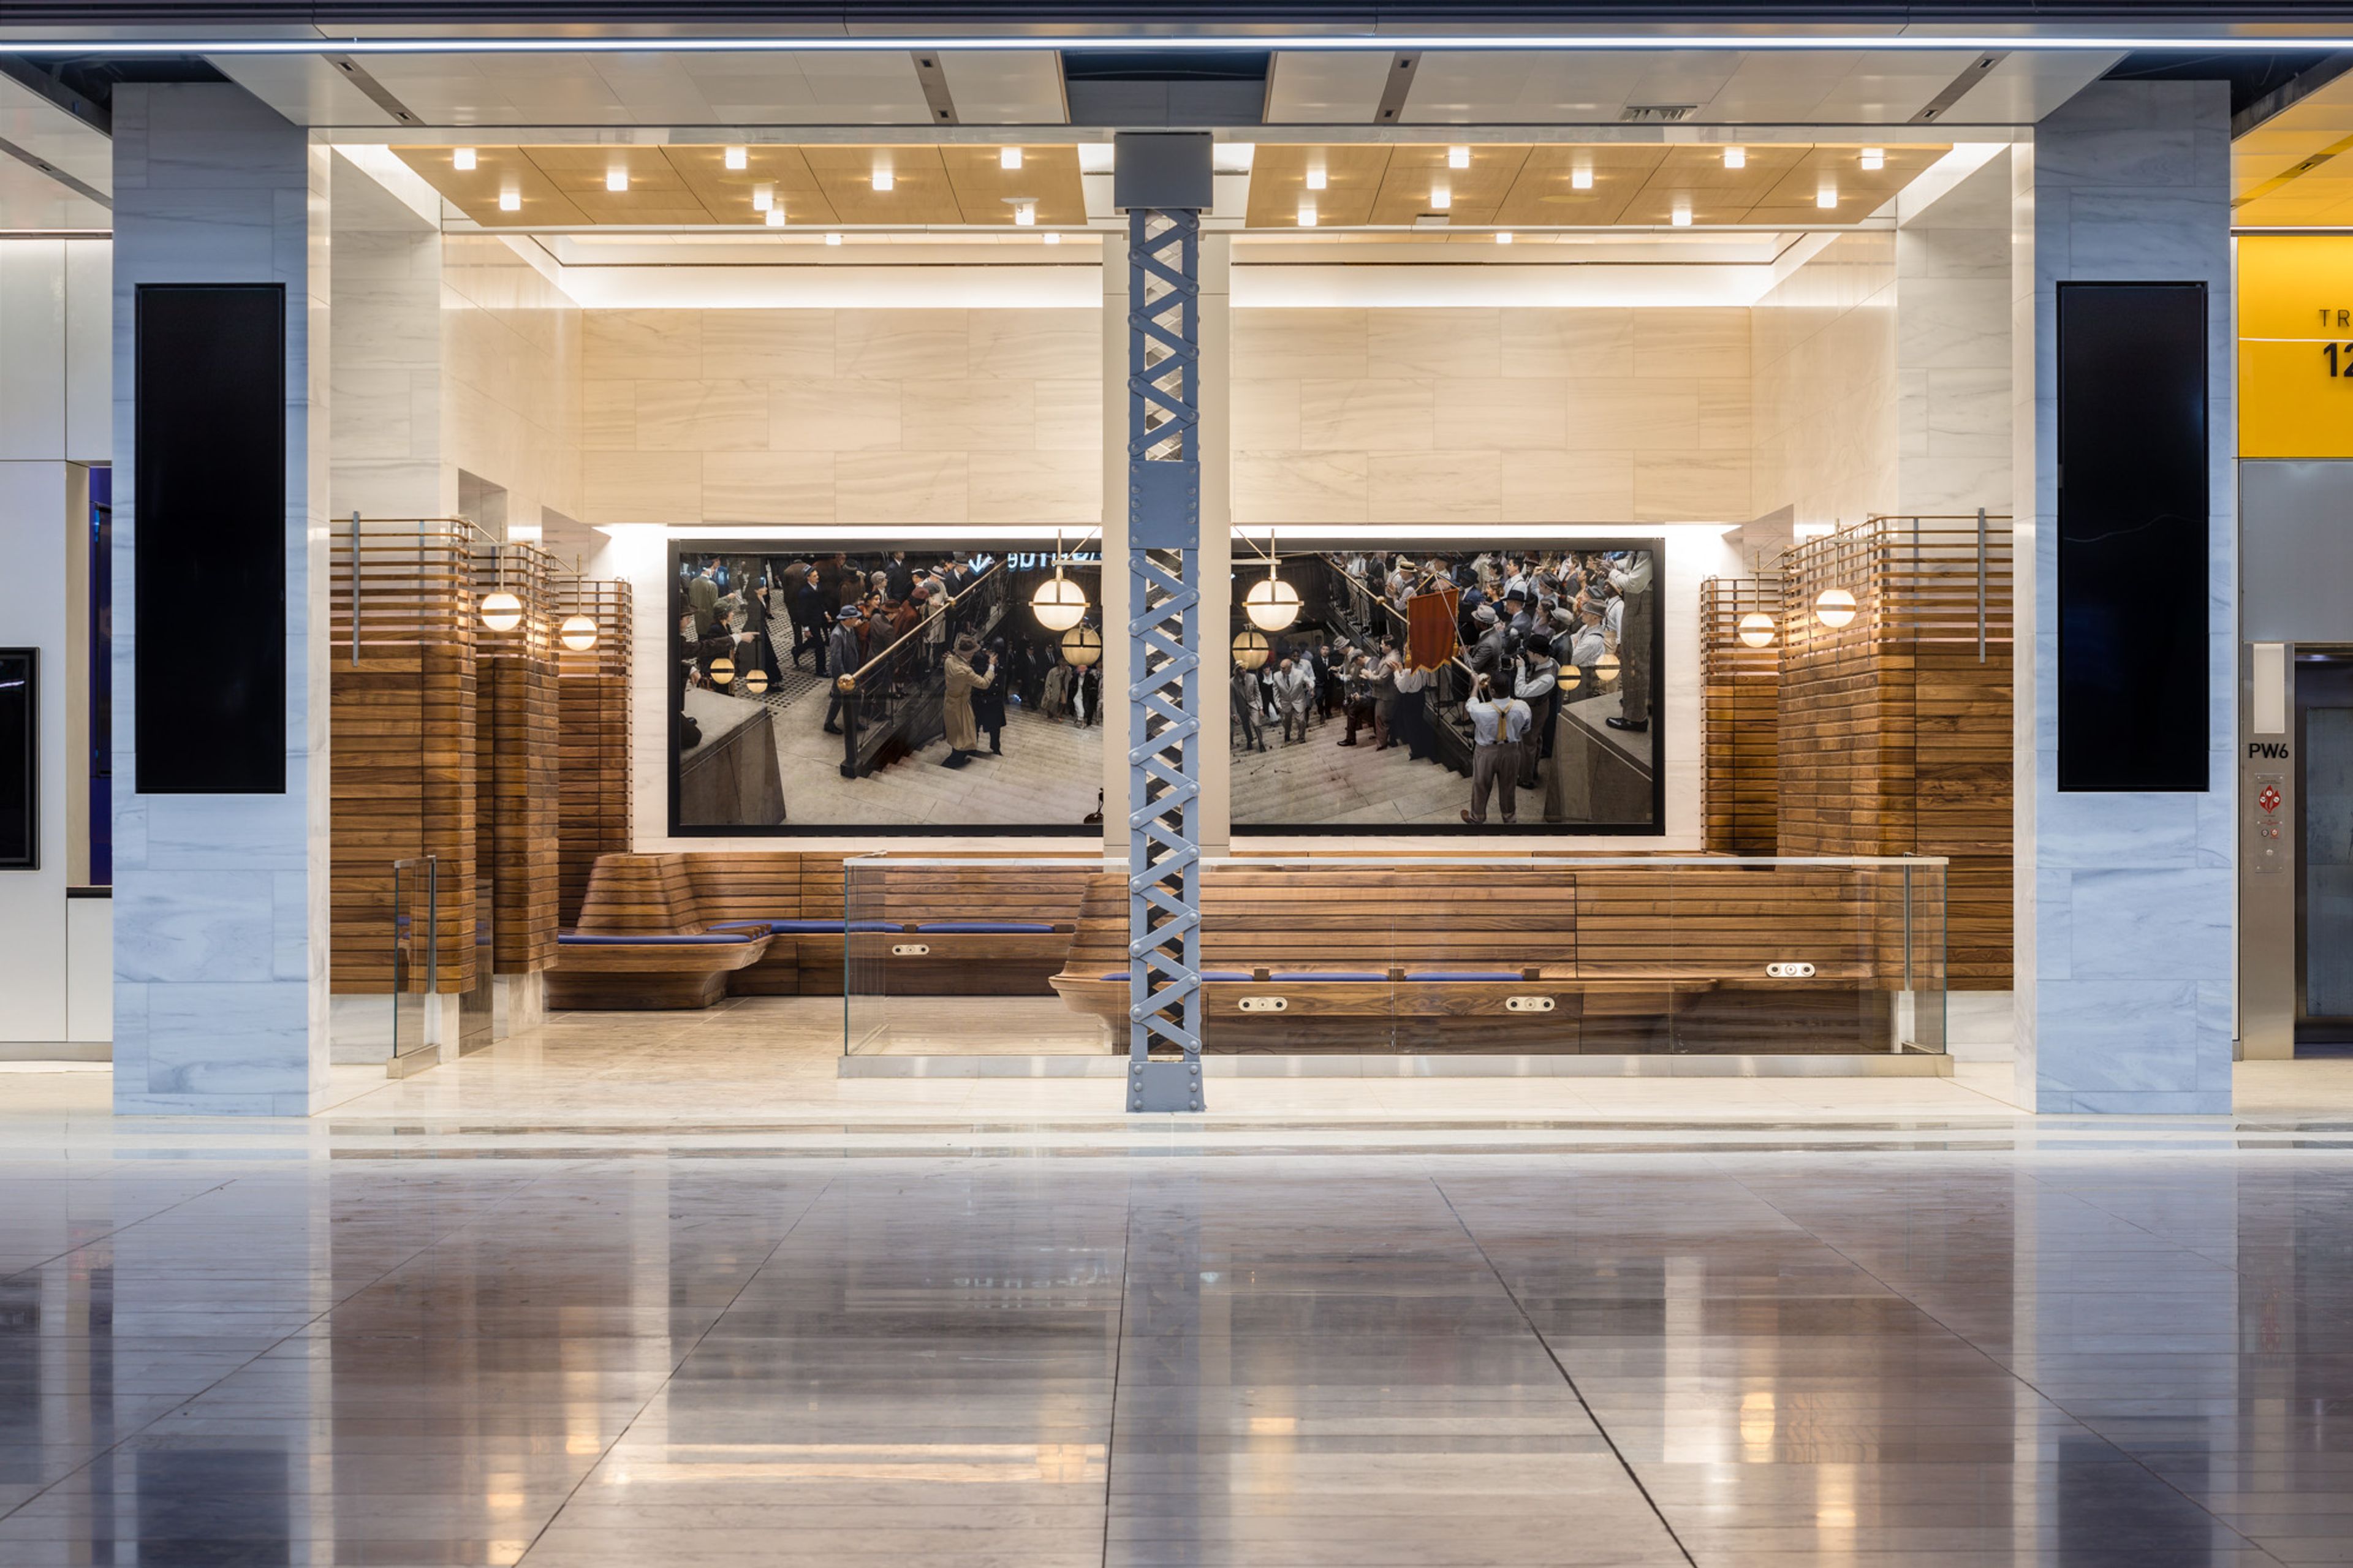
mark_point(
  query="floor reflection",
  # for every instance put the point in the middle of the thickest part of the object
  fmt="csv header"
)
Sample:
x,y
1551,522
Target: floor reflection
x,y
625,1358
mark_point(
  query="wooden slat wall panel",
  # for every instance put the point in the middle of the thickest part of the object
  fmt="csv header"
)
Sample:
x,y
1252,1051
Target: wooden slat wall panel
x,y
1739,718
403,760
593,687
517,776
1894,732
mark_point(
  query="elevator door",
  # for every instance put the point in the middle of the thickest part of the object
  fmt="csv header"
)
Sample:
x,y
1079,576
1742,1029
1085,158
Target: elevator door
x,y
2324,871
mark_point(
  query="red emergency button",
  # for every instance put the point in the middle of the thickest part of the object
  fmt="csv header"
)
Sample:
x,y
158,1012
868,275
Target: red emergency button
x,y
2269,799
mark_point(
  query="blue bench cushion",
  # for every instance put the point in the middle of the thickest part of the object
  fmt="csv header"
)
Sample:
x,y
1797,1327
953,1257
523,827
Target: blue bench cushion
x,y
987,927
1356,974
591,939
1464,974
811,928
1206,974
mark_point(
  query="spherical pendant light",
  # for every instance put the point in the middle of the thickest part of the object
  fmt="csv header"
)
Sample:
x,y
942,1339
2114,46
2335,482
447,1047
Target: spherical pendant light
x,y
1271,604
722,670
1082,646
578,633
756,680
1250,650
1605,669
1058,604
1568,677
502,611
1757,629
1834,607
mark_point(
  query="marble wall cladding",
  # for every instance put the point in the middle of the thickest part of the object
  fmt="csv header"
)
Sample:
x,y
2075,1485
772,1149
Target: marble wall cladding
x,y
2125,901
514,349
385,451
848,416
1491,415
1952,350
220,900
1824,391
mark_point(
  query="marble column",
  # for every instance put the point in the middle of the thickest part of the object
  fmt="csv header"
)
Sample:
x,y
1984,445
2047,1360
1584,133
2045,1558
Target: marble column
x,y
221,900
2125,901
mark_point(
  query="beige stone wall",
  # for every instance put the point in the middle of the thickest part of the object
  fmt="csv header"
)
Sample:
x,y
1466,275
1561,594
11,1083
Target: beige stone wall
x,y
1506,416
1825,392
842,416
510,354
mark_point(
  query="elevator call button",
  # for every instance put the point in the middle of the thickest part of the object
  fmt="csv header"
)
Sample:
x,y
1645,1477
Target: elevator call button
x,y
2270,844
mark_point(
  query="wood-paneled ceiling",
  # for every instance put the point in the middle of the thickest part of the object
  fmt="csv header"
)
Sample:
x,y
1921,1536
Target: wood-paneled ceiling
x,y
566,186
1535,186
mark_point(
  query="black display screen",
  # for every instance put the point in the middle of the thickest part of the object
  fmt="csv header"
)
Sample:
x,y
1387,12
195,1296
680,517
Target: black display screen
x,y
2133,547
210,530
19,757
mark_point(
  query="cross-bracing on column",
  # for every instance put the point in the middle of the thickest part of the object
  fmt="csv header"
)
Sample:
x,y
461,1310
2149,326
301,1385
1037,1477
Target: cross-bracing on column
x,y
1164,468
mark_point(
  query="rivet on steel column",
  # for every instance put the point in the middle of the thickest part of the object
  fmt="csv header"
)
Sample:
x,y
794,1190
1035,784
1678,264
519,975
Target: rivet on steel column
x,y
1163,181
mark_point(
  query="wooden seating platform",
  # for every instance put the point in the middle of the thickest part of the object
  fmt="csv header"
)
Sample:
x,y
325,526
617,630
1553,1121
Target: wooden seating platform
x,y
643,941
1521,958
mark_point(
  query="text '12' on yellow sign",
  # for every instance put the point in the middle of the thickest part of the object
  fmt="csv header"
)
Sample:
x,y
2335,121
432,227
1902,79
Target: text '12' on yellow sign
x,y
2296,346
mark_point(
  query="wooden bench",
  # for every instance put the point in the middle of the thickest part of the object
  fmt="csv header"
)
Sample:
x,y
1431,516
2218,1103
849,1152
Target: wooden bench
x,y
642,942
1523,958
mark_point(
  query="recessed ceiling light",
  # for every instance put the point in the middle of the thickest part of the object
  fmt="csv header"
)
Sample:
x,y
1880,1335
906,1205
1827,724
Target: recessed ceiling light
x,y
776,217
1441,196
882,179
1735,157
739,157
1458,157
764,195
509,201
1580,179
1875,157
1316,178
1008,157
1503,236
1307,215
616,179
1826,198
1681,216
1053,237
833,239
462,159
1025,213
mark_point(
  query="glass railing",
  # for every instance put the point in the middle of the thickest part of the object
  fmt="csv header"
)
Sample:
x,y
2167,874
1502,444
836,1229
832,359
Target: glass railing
x,y
416,965
1681,954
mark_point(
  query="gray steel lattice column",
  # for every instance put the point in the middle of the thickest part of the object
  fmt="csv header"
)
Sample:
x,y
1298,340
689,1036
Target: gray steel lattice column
x,y
1164,181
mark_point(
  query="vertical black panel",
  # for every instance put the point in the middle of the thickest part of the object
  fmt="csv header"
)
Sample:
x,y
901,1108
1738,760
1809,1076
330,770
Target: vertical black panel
x,y
210,688
20,759
2133,553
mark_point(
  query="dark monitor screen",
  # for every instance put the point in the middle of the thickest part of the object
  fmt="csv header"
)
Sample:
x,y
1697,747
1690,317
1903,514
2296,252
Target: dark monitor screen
x,y
19,757
210,528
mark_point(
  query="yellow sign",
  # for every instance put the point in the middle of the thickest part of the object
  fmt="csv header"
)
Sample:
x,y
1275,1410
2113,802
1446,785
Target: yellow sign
x,y
2296,346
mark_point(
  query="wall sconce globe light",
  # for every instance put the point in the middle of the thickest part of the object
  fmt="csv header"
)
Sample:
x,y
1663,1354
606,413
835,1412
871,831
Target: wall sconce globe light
x,y
1605,669
1757,629
578,633
1834,607
1250,650
502,611
756,680
1567,676
722,670
1082,646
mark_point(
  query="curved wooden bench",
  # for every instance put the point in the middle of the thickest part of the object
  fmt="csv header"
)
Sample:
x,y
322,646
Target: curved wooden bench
x,y
642,942
1540,958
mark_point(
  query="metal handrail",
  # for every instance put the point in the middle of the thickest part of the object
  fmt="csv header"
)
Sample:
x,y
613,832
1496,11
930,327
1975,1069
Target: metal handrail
x,y
849,682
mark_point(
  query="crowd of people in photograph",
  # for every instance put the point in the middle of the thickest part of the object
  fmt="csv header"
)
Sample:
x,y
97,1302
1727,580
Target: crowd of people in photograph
x,y
1513,635
886,621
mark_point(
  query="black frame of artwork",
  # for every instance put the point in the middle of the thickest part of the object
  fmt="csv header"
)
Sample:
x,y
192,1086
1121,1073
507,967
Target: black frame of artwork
x,y
27,740
915,540
1310,538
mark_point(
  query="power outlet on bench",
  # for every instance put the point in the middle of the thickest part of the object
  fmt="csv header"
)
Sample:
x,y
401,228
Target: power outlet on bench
x,y
908,950
1527,1003
1264,1005
1791,970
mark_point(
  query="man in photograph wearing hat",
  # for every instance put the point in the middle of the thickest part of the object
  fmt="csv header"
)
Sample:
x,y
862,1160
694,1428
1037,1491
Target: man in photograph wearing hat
x,y
845,653
955,706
